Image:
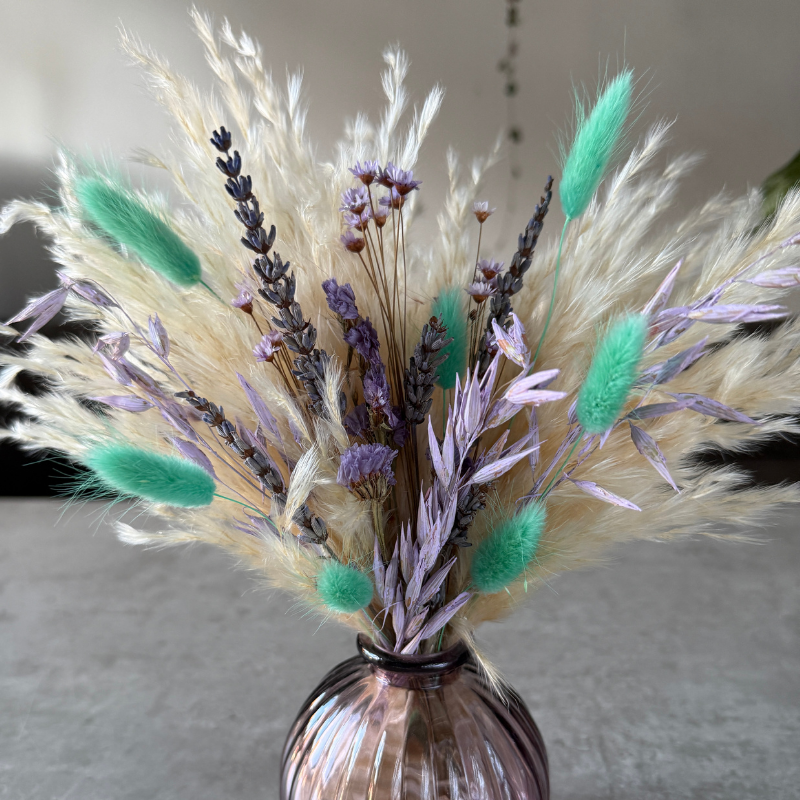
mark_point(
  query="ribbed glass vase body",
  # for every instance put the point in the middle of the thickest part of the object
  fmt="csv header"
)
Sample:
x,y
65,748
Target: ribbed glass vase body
x,y
387,727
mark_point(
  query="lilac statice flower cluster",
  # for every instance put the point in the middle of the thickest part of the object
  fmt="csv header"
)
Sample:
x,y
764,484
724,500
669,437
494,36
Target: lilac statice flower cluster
x,y
363,338
366,470
341,299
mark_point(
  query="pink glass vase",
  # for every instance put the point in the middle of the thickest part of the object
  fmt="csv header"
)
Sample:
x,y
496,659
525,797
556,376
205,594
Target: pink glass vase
x,y
383,726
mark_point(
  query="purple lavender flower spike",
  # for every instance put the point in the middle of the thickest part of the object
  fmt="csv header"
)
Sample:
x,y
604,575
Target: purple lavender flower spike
x,y
341,299
363,338
355,200
367,173
266,349
366,470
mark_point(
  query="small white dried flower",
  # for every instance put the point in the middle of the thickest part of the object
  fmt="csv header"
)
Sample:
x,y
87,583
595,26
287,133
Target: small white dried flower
x,y
480,291
482,211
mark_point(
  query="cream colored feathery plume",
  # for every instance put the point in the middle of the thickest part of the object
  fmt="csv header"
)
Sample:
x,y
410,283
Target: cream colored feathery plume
x,y
302,452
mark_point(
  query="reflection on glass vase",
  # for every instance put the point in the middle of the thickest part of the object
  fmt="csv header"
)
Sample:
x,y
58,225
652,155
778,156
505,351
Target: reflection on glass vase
x,y
383,726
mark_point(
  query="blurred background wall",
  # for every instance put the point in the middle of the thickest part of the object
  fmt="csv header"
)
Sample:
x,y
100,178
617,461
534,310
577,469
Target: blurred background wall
x,y
728,71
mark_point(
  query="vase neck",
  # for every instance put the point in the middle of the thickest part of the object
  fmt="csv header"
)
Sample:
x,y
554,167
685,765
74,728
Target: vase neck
x,y
419,671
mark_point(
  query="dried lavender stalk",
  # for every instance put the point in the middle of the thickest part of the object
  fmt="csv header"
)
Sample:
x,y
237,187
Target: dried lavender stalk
x,y
510,282
313,529
422,371
471,502
277,287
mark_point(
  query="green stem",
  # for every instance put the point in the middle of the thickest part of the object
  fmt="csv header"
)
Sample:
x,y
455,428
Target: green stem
x,y
555,284
383,641
560,469
377,524
222,497
213,292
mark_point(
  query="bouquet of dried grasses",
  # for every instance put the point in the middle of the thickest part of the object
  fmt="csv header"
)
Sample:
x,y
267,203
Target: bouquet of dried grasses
x,y
407,439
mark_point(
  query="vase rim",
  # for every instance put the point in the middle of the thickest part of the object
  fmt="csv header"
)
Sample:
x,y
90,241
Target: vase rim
x,y
419,663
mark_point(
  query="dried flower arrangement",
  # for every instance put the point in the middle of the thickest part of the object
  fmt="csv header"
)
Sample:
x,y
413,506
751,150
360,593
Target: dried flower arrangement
x,y
407,439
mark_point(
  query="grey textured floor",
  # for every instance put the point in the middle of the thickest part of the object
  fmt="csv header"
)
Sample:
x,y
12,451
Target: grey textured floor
x,y
131,675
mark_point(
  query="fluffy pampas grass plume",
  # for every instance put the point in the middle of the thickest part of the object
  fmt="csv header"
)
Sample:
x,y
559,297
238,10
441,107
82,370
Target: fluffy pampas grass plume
x,y
281,387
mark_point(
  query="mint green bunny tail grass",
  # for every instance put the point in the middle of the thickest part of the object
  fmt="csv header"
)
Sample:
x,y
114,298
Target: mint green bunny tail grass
x,y
151,476
343,589
451,307
504,555
595,142
612,373
125,219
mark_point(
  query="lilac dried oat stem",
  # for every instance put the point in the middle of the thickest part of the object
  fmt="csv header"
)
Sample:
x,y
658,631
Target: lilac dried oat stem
x,y
438,507
128,373
682,318
161,351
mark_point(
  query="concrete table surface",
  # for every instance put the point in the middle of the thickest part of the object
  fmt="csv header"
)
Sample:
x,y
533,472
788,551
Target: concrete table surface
x,y
128,674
